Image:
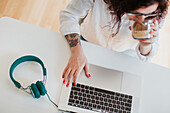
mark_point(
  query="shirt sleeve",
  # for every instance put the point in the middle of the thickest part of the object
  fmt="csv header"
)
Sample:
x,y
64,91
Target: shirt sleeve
x,y
71,16
148,58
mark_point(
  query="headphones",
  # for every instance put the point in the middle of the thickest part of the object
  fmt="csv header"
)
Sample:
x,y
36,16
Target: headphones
x,y
35,89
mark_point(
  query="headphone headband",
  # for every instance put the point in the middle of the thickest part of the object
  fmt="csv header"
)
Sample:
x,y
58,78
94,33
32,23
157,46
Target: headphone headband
x,y
24,59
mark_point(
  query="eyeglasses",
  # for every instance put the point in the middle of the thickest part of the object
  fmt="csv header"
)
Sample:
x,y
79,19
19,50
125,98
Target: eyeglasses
x,y
141,14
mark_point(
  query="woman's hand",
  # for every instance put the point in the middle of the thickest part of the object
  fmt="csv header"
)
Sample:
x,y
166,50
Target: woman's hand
x,y
77,61
146,45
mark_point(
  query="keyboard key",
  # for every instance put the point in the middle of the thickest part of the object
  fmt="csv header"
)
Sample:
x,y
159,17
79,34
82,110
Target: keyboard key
x,y
93,101
80,94
92,97
86,87
101,103
97,98
118,107
117,94
88,96
91,92
111,109
106,104
95,93
129,101
113,101
80,98
110,105
71,100
78,85
126,96
120,99
105,99
82,90
88,100
75,93
103,91
99,94
82,86
98,107
130,97
90,105
84,99
118,102
122,107
109,101
103,108
115,110
124,100
114,106
101,99
108,96
104,95
85,103
84,95
91,88
97,102
122,95
87,91
71,96
94,105
75,88
112,97
81,103
127,104
75,97
122,103
77,102
127,109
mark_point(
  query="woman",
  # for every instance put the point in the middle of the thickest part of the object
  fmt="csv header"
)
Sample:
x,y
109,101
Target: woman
x,y
106,23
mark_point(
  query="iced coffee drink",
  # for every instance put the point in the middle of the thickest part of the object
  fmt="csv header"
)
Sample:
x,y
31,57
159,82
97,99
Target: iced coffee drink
x,y
141,30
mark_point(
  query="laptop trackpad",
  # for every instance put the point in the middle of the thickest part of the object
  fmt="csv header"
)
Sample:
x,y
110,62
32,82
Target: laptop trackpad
x,y
102,78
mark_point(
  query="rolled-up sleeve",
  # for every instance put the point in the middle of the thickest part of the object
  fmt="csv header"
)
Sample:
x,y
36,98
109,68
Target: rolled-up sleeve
x,y
148,58
70,16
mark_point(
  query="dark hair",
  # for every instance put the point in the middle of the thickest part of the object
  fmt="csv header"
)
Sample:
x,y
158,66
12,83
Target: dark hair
x,y
120,7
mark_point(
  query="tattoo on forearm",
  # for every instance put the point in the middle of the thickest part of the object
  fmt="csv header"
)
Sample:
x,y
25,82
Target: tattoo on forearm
x,y
73,40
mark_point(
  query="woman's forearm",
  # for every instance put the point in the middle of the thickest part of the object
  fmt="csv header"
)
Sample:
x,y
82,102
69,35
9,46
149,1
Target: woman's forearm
x,y
74,42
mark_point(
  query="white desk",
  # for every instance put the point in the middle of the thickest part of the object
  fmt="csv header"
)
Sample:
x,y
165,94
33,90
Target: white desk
x,y
19,38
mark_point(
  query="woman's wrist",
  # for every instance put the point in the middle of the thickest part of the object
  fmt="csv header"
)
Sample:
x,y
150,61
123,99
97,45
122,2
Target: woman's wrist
x,y
145,50
74,42
76,49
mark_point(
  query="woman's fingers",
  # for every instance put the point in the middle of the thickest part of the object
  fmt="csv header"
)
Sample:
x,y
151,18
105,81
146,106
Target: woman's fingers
x,y
66,75
70,77
86,69
154,34
74,67
155,25
77,73
148,41
64,71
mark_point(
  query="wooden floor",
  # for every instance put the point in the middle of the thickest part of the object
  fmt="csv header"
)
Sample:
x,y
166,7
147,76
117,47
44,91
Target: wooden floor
x,y
45,13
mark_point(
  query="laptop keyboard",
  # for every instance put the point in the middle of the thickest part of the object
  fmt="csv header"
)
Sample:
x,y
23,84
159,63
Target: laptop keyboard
x,y
100,100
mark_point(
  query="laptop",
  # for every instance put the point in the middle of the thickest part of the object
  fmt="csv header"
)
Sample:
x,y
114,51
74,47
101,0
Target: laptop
x,y
106,91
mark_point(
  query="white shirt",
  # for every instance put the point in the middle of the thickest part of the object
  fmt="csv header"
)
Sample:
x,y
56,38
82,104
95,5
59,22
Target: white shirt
x,y
92,20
